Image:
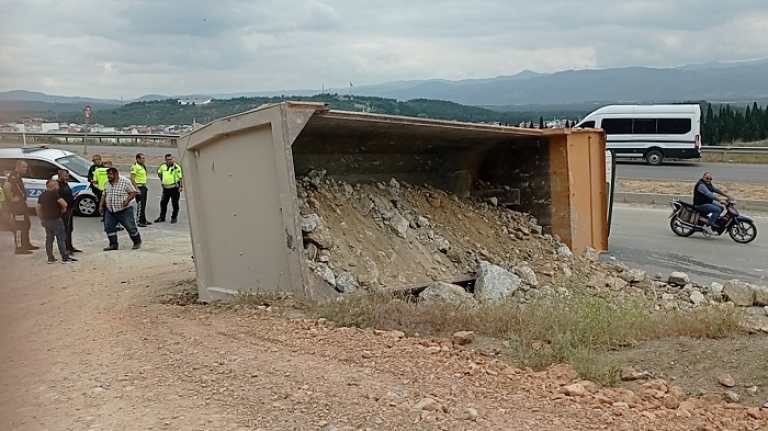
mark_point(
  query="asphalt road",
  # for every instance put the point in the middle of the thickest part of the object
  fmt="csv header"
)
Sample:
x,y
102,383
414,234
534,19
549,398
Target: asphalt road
x,y
692,171
641,237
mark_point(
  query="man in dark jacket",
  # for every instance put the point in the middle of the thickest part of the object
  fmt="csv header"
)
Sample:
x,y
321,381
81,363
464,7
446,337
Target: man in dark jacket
x,y
16,202
67,216
704,197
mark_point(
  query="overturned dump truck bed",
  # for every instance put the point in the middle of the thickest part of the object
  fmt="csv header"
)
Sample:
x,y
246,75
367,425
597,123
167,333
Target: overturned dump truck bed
x,y
297,198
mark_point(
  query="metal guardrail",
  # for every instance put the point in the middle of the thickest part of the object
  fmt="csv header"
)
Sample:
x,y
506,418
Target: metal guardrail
x,y
89,135
750,151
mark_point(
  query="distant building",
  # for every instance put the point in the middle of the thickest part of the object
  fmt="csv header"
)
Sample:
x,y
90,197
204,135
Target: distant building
x,y
194,101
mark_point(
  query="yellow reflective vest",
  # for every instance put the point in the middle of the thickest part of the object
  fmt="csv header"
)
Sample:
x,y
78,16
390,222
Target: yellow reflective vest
x,y
101,177
169,175
139,173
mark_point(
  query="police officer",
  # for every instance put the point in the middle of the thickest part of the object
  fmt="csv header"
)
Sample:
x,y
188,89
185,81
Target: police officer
x,y
99,178
139,178
97,163
170,178
16,201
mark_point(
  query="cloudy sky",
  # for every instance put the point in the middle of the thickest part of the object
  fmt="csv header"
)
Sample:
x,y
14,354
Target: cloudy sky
x,y
127,48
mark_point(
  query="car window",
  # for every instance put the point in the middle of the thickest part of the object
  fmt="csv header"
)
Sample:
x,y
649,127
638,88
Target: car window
x,y
75,164
40,170
587,125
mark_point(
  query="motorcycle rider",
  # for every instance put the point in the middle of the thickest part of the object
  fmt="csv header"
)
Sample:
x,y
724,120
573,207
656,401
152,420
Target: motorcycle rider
x,y
704,197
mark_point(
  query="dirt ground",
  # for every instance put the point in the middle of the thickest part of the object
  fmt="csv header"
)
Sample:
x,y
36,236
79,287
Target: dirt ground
x,y
97,346
738,190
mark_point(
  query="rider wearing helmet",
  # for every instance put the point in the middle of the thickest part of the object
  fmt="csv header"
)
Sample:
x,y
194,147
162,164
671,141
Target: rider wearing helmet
x,y
704,197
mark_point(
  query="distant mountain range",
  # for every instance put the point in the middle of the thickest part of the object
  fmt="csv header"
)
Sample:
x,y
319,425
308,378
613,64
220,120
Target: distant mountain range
x,y
717,82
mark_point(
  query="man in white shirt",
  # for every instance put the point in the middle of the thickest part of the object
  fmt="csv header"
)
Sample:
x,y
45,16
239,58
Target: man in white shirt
x,y
116,207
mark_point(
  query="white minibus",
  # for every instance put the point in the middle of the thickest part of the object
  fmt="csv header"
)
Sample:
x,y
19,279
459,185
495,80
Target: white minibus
x,y
651,132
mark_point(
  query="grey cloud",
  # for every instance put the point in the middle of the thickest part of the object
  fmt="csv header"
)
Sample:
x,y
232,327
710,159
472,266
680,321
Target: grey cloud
x,y
110,48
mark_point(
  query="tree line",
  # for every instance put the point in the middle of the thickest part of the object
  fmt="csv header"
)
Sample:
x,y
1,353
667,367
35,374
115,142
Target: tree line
x,y
728,124
721,123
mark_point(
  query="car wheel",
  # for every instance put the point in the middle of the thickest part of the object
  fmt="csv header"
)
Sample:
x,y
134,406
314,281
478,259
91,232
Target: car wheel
x,y
654,157
85,206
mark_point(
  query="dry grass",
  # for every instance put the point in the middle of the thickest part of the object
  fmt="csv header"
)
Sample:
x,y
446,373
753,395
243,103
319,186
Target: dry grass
x,y
738,158
577,329
734,158
738,190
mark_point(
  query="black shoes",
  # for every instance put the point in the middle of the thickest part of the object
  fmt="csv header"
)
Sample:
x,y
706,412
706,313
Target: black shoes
x,y
174,220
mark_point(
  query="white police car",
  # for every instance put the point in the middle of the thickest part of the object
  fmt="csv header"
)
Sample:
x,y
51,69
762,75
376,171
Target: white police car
x,y
43,164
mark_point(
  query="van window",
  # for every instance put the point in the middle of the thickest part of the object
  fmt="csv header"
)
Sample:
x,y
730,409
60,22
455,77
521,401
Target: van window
x,y
617,126
587,125
40,170
644,126
674,126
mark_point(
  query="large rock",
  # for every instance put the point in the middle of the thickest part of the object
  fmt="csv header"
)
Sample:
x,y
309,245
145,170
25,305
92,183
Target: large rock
x,y
321,236
740,293
494,282
346,283
324,272
678,278
310,222
368,273
716,289
525,272
761,295
697,298
399,225
447,293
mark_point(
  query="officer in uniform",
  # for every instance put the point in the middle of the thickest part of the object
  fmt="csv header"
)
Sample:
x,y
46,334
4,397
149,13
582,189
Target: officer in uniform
x,y
16,201
98,178
97,163
139,178
170,177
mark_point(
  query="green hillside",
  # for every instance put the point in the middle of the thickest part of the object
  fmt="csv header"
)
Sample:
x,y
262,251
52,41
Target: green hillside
x,y
171,112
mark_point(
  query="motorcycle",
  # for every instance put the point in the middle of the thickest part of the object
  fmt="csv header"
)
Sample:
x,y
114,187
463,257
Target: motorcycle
x,y
685,221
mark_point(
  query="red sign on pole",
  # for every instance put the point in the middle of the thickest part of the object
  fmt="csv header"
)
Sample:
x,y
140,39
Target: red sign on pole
x,y
87,112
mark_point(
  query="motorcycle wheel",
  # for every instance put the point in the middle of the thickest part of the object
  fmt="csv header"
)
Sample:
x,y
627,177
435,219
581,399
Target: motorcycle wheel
x,y
743,232
678,228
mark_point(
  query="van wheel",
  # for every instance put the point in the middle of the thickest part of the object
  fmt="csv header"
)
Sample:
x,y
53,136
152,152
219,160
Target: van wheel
x,y
654,157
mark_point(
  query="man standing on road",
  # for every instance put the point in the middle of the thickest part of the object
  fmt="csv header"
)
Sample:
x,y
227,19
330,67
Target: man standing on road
x,y
139,179
704,197
67,216
96,159
115,206
50,208
16,202
170,178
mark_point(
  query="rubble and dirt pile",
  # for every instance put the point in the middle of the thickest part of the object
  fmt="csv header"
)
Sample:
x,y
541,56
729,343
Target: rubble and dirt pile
x,y
387,236
384,236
